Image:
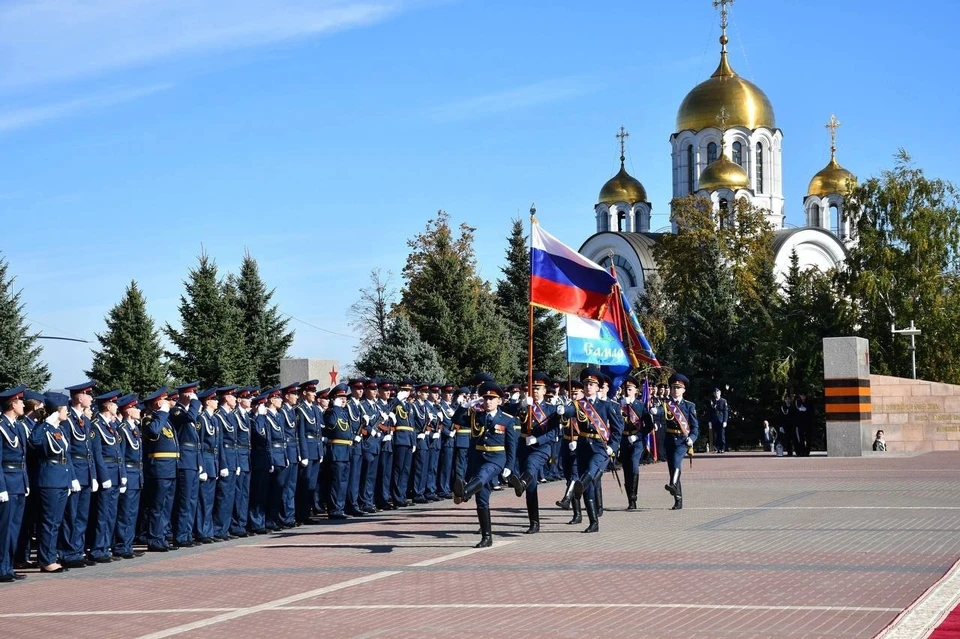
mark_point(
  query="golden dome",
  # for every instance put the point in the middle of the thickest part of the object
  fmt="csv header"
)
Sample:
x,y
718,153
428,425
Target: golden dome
x,y
833,178
745,103
724,174
622,187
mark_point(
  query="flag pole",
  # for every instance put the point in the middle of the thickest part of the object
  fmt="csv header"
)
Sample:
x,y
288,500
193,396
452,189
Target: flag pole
x,y
533,220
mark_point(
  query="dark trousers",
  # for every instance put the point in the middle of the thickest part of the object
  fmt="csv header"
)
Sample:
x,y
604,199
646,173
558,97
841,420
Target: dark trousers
x,y
106,521
719,438
445,470
159,511
339,478
592,460
11,517
223,503
128,507
534,462
260,481
306,488
185,504
241,503
278,481
402,457
630,455
368,479
488,473
74,529
433,465
460,456
28,529
53,502
203,524
353,477
384,476
288,503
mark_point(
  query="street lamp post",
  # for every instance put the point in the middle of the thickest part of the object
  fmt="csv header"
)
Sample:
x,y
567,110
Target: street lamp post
x,y
912,331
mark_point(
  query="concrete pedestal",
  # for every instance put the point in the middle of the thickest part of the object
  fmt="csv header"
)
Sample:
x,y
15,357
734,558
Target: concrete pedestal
x,y
846,389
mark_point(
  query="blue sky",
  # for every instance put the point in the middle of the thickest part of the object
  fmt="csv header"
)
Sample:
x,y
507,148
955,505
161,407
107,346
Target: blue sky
x,y
320,135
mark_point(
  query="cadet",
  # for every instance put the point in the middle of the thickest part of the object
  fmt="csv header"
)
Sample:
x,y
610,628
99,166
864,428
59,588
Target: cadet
x,y
371,433
568,452
261,461
288,421
461,438
279,458
54,479
128,505
14,485
717,418
494,442
540,422
385,460
637,424
209,429
680,419
404,443
33,414
421,450
355,414
228,424
73,532
111,473
309,426
241,504
190,471
447,436
600,425
161,453
336,422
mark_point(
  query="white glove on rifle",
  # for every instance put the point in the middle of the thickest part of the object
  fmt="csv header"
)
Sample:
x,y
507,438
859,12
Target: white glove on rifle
x,y
436,435
528,401
387,437
531,440
421,435
123,489
94,485
224,472
357,438
609,452
572,445
561,409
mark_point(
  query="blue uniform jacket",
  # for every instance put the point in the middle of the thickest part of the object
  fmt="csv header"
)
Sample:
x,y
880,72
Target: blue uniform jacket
x,y
462,438
636,418
309,425
447,429
161,450
132,453
386,445
51,446
674,433
275,435
404,432
81,450
108,451
336,426
244,444
13,457
261,431
543,426
612,417
371,430
494,437
288,421
184,421
229,424
209,443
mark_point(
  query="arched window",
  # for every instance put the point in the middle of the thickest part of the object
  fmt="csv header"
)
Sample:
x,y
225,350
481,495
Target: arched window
x,y
759,168
621,216
690,168
836,224
711,152
814,216
604,222
724,212
738,153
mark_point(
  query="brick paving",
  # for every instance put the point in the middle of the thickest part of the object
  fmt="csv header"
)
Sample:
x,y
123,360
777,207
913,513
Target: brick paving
x,y
765,547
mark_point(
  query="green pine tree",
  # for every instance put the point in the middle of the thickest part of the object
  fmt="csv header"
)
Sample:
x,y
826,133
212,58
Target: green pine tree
x,y
209,342
513,299
402,354
265,336
20,361
130,354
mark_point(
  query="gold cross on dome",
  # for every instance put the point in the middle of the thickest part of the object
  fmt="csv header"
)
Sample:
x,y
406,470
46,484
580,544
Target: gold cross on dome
x,y
622,136
833,125
722,5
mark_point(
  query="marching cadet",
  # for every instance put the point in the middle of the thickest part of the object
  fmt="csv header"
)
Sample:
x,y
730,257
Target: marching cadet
x,y
570,434
404,442
209,429
161,454
447,436
385,460
355,413
288,421
494,443
680,419
370,444
263,451
540,422
228,425
54,478
336,421
241,503
637,424
309,426
279,457
554,472
128,504
73,533
600,426
14,485
657,410
111,473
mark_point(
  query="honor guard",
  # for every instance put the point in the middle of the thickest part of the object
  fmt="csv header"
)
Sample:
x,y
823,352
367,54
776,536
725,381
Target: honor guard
x,y
682,430
493,441
433,442
161,453
385,460
288,421
569,435
263,452
371,434
637,424
421,452
355,413
33,414
184,417
51,442
447,436
336,422
404,441
279,458
128,501
209,429
73,533
241,503
322,497
309,426
540,422
111,474
14,485
228,462
461,436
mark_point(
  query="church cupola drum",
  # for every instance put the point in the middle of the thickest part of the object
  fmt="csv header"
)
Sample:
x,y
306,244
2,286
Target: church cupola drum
x,y
622,206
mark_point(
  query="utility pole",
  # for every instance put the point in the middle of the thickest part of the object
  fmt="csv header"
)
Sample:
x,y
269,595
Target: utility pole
x,y
912,331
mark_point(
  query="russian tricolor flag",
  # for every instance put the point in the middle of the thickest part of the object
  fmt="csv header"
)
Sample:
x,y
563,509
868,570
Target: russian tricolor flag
x,y
563,280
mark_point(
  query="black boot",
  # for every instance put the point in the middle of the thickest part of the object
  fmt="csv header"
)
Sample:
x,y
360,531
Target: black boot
x,y
577,517
678,498
533,511
486,539
591,507
519,483
568,497
472,489
458,490
632,489
598,491
580,485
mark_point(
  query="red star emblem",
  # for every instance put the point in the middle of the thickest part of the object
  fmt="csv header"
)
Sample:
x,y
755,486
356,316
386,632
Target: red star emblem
x,y
334,373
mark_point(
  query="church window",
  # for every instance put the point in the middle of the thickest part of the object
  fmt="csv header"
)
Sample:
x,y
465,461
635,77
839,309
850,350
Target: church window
x,y
621,215
814,215
759,168
836,223
738,153
625,273
724,212
711,152
603,222
690,167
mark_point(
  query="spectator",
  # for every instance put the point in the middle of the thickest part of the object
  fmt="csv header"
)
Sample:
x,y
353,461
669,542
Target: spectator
x,y
769,437
879,445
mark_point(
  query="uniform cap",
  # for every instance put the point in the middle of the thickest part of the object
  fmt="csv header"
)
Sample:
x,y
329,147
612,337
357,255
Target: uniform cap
x,y
309,385
81,388
109,396
490,389
227,390
679,378
55,401
13,393
160,393
340,390
127,400
591,375
207,393
189,387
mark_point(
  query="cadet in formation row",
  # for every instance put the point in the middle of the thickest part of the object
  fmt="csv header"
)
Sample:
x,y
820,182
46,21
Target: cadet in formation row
x,y
183,467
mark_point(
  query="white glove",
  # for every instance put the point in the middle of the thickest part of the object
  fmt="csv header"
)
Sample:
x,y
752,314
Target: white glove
x,y
609,451
436,435
505,473
304,462
224,472
561,409
203,477
413,448
632,439
261,410
366,419
94,486
393,418
357,438
191,396
238,470
27,494
403,395
123,489
421,435
340,402
123,481
75,485
474,402
4,497
387,437
689,442
107,485
528,401
384,416
531,440
572,445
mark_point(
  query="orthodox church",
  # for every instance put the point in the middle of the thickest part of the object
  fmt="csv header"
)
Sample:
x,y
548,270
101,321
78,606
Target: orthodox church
x,y
726,146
